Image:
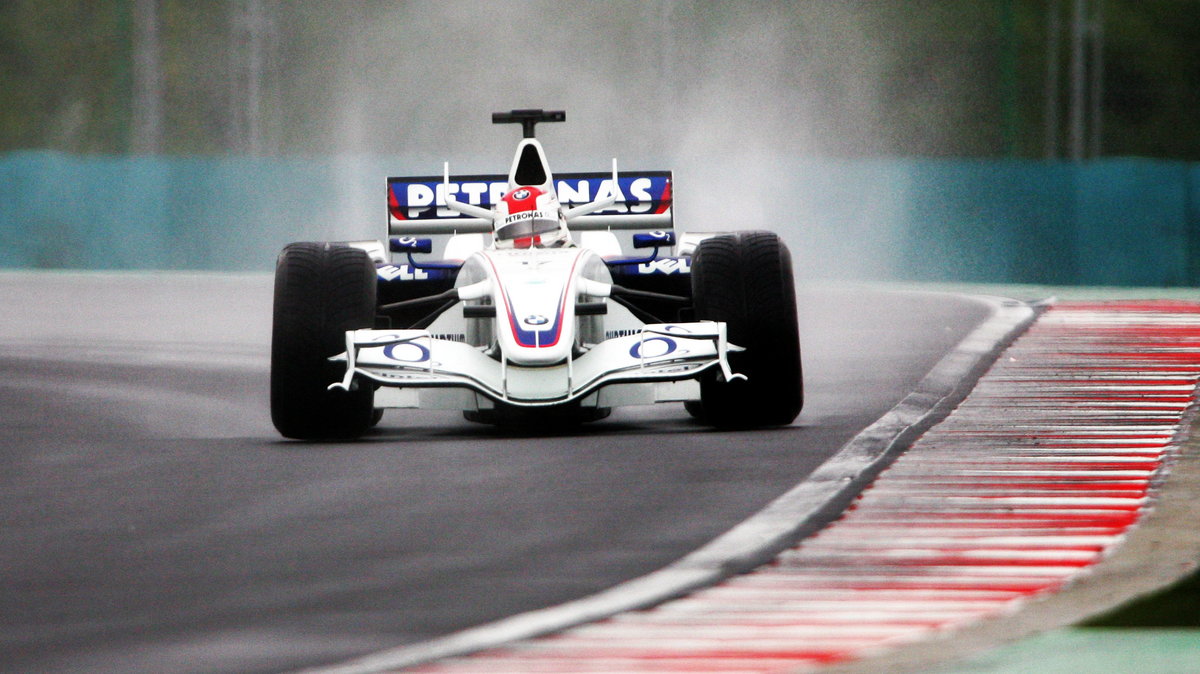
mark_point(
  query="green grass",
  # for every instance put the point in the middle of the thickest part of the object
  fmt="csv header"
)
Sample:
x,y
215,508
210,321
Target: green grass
x,y
1090,650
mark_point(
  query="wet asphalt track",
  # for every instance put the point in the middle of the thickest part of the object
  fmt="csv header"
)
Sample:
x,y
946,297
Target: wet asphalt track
x,y
151,519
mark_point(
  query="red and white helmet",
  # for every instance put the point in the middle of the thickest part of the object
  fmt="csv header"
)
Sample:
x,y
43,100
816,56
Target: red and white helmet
x,y
530,217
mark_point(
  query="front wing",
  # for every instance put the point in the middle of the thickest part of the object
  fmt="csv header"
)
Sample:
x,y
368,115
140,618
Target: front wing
x,y
662,352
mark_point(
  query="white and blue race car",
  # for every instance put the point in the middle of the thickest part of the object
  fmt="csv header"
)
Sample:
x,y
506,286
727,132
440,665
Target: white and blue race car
x,y
533,312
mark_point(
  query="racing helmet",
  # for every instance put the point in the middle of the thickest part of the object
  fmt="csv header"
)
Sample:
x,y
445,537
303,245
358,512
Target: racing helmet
x,y
530,217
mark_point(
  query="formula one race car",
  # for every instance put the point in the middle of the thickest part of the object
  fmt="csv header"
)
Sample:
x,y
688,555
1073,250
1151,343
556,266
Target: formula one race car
x,y
532,313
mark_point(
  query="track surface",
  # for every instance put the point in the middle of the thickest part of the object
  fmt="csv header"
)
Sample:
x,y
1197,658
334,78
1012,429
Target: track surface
x,y
152,520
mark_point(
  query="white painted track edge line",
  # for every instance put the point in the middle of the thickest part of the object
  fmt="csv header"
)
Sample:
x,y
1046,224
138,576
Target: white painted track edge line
x,y
798,513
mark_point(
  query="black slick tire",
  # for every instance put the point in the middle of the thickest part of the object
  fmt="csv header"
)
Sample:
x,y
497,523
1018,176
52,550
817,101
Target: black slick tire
x,y
745,279
321,291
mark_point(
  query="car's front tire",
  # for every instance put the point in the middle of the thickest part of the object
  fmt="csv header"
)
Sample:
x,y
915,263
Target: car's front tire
x,y
321,291
745,279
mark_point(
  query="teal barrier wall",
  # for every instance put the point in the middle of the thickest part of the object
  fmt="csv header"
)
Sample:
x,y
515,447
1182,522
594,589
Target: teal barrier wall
x,y
1109,222
85,212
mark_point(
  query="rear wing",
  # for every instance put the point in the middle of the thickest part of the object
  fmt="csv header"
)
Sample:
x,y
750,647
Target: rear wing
x,y
418,205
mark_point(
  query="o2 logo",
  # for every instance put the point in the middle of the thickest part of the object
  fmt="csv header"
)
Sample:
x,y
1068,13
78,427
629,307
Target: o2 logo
x,y
654,347
407,352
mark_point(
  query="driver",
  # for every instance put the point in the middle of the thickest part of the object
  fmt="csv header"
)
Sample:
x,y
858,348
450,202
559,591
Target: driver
x,y
530,217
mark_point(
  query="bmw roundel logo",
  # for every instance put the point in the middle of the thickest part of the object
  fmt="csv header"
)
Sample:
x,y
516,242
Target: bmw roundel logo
x,y
521,194
536,320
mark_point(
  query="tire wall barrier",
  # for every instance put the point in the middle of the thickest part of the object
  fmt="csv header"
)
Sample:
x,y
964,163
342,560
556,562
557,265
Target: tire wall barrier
x,y
1120,222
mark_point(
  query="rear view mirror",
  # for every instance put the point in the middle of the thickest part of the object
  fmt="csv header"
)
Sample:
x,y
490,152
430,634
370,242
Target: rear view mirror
x,y
653,239
409,244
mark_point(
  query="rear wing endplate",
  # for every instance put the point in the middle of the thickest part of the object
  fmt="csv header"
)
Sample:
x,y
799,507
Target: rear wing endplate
x,y
418,205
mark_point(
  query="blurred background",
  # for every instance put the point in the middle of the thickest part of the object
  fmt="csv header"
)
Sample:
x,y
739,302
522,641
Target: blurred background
x,y
1027,141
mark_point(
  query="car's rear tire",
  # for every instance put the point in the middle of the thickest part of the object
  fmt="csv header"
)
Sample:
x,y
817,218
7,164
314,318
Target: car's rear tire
x,y
745,279
321,291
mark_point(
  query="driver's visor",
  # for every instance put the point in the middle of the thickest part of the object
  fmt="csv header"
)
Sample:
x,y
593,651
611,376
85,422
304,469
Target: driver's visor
x,y
525,225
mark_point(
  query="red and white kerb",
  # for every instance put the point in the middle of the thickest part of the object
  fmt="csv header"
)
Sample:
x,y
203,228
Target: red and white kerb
x,y
1037,475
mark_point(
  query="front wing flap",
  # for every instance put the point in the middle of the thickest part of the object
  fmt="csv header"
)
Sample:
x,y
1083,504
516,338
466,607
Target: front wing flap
x,y
655,353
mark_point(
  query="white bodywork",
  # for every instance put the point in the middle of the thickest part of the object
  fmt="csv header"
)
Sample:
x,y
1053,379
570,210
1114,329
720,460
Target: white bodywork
x,y
534,327
536,351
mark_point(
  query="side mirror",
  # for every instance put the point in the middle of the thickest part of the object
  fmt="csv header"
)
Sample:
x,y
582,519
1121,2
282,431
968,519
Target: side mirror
x,y
654,239
409,244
